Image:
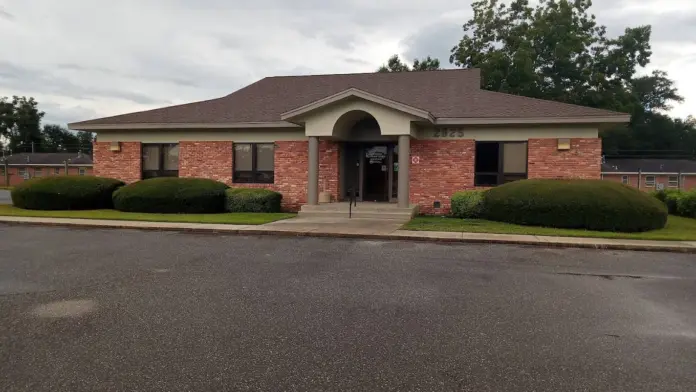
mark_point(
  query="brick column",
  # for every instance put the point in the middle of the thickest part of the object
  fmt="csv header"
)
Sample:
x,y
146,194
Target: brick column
x,y
125,165
583,160
211,160
444,167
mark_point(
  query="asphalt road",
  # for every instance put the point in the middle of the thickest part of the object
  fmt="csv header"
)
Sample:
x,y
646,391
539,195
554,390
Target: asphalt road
x,y
5,197
117,310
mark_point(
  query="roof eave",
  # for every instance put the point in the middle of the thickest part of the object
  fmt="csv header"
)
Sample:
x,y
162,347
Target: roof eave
x,y
354,92
616,119
136,126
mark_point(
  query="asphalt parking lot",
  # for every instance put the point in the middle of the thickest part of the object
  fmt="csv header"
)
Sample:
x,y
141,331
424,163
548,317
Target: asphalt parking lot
x,y
120,310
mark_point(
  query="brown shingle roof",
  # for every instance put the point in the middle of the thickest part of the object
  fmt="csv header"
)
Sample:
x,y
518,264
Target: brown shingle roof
x,y
445,94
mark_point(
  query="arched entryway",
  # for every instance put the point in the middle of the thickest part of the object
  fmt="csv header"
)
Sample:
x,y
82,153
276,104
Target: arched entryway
x,y
369,160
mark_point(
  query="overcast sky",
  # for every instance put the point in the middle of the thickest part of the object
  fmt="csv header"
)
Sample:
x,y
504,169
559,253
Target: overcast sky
x,y
83,59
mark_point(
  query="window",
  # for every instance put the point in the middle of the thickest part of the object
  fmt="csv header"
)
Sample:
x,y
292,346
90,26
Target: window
x,y
625,180
649,180
159,160
38,172
23,172
56,171
81,171
673,181
253,163
500,162
2,170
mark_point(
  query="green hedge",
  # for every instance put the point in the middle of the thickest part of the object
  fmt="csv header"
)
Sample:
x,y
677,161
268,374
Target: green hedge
x,y
65,193
172,195
252,200
669,197
578,204
686,204
467,204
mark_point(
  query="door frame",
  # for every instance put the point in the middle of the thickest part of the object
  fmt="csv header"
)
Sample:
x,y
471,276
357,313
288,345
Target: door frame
x,y
361,147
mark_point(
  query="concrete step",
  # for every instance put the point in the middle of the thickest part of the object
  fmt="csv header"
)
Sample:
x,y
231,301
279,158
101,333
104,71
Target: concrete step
x,y
391,216
379,211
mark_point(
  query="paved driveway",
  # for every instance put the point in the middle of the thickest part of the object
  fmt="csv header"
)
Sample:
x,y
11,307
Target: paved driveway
x,y
112,310
5,197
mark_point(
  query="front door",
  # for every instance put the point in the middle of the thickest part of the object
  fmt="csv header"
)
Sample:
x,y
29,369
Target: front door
x,y
376,173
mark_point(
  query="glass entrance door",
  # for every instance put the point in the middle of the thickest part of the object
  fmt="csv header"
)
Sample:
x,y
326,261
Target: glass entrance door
x,y
376,173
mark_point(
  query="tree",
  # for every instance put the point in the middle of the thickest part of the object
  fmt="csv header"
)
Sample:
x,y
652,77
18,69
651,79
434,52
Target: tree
x,y
394,64
85,141
557,51
20,122
59,139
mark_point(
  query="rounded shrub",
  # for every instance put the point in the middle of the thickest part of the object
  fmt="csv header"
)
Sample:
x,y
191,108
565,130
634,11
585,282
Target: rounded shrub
x,y
172,195
577,204
467,204
686,204
252,200
65,193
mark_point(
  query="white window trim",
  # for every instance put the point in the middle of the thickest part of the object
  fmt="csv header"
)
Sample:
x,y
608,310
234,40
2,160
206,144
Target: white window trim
x,y
81,171
627,178
669,182
650,183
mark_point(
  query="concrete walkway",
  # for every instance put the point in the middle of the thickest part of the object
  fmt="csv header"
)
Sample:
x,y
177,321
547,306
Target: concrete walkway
x,y
366,229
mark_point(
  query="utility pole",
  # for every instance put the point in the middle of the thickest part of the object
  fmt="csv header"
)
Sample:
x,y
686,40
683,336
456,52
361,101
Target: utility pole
x,y
6,171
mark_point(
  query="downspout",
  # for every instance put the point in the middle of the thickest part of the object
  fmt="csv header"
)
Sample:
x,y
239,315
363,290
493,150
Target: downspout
x,y
66,167
679,180
640,176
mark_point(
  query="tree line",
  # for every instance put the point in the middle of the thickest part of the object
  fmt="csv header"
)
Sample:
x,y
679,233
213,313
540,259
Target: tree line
x,y
557,51
21,130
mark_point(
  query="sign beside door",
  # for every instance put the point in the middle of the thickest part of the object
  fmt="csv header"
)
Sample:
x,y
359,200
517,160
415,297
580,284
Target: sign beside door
x,y
415,160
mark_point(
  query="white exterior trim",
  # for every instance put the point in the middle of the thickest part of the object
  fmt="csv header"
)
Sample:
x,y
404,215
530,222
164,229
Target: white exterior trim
x,y
354,92
532,120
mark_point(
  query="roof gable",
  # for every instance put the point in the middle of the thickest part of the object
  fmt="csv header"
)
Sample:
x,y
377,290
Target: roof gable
x,y
355,93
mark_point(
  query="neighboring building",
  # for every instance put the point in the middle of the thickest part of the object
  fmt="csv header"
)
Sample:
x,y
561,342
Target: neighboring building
x,y
410,137
21,167
651,174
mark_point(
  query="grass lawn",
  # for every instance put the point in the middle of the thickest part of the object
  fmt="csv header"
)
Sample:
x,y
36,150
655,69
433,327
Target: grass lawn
x,y
6,188
677,229
233,218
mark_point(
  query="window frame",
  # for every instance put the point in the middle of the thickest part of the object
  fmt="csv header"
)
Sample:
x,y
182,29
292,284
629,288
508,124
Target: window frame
x,y
650,184
500,174
81,171
676,181
254,172
56,171
23,172
38,172
627,180
160,172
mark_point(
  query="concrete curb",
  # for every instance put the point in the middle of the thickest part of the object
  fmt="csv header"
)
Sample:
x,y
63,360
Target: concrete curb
x,y
541,241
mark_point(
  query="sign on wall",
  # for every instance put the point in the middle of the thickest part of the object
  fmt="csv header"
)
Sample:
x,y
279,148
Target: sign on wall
x,y
415,159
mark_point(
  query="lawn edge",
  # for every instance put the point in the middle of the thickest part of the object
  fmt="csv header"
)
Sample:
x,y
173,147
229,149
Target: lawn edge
x,y
411,236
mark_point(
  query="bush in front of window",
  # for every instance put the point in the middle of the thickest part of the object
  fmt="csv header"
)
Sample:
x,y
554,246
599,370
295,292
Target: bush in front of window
x,y
670,197
468,204
252,200
686,204
65,193
172,195
575,204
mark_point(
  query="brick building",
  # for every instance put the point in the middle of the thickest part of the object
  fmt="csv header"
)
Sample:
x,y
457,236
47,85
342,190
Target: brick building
x,y
651,174
411,138
17,168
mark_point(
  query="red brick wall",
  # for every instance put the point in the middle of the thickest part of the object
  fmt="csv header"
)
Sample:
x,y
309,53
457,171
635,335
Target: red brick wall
x,y
688,181
211,160
583,160
445,166
124,165
291,162
329,161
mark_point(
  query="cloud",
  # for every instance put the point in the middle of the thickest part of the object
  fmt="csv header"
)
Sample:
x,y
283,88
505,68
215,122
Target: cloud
x,y
101,58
